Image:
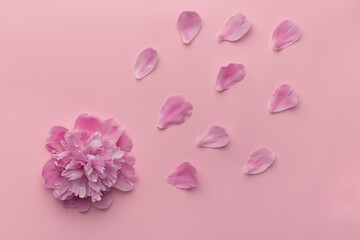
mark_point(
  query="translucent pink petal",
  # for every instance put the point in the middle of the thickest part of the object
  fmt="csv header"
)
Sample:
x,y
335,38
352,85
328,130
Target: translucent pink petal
x,y
284,97
124,142
229,76
175,111
123,184
146,62
50,174
215,137
129,158
128,172
56,139
285,34
183,176
259,161
235,28
87,123
110,131
83,204
189,24
105,201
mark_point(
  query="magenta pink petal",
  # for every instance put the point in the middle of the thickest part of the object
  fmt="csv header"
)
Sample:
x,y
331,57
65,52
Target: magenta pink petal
x,y
146,63
259,161
229,76
215,137
50,174
87,123
175,111
183,176
83,204
285,34
189,24
111,131
124,142
284,97
105,201
235,28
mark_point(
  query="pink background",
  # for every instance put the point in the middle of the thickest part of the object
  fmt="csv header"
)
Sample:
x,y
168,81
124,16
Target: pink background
x,y
59,59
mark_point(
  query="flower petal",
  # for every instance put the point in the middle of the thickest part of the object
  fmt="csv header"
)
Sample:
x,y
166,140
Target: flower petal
x,y
285,34
87,123
183,176
83,204
128,172
215,137
229,76
56,139
189,24
259,161
284,97
50,174
123,184
235,28
110,131
105,201
146,62
124,142
175,111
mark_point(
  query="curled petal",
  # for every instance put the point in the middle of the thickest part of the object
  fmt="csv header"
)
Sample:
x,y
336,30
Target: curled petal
x,y
110,131
56,139
285,34
50,174
123,184
259,161
189,24
284,97
105,201
87,123
183,176
215,137
124,142
146,62
175,111
235,28
229,76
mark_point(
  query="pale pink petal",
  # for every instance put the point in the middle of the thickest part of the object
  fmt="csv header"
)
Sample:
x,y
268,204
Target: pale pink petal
x,y
175,111
105,201
123,184
56,139
50,174
215,137
259,161
284,97
235,28
229,76
285,34
110,131
183,176
189,24
129,158
83,204
128,172
146,62
124,142
87,123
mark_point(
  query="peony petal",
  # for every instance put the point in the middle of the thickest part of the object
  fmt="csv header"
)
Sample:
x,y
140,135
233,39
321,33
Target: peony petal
x,y
87,123
129,158
229,76
145,63
124,142
215,137
128,172
284,97
259,161
50,174
285,34
189,24
83,204
183,176
235,28
175,111
123,184
105,201
110,131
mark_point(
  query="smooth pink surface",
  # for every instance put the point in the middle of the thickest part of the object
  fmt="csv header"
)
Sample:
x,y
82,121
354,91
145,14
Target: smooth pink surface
x,y
59,59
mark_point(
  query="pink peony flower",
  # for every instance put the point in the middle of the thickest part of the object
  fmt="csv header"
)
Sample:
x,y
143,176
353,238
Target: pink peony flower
x,y
88,162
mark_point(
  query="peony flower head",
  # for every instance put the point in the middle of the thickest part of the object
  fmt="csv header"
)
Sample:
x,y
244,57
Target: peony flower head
x,y
88,162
